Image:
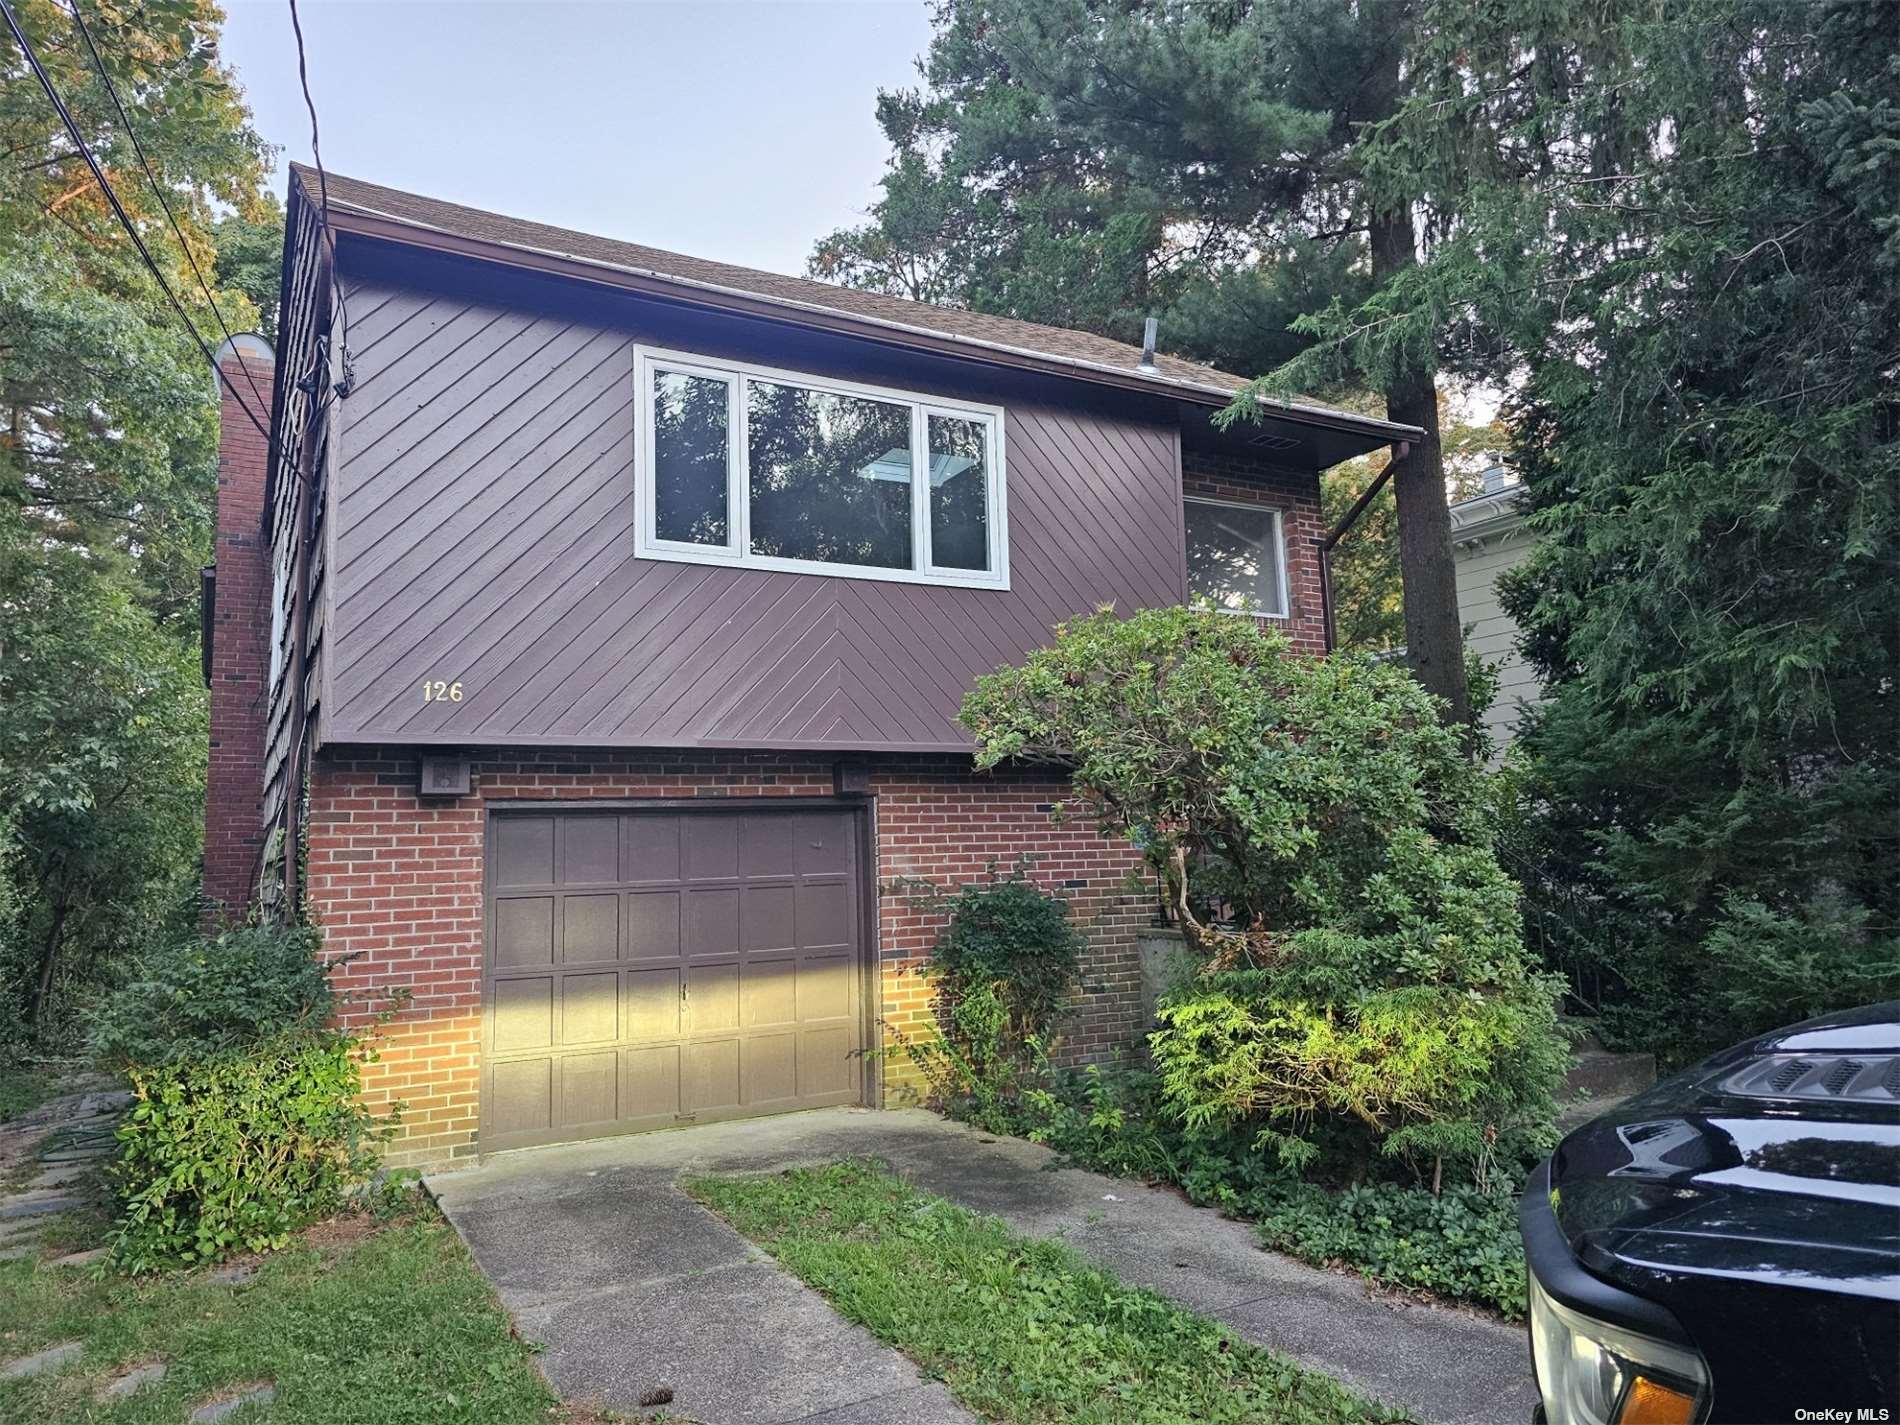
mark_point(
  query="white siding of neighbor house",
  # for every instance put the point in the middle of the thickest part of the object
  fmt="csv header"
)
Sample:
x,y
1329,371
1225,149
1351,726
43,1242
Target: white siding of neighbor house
x,y
1489,631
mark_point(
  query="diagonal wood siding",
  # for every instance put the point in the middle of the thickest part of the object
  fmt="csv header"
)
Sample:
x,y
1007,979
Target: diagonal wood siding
x,y
482,531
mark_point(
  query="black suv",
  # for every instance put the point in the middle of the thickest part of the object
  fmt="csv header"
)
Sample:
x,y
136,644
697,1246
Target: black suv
x,y
1726,1246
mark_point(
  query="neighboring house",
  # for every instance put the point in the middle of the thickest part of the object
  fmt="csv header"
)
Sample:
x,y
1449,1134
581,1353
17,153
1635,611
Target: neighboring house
x,y
1489,536
600,643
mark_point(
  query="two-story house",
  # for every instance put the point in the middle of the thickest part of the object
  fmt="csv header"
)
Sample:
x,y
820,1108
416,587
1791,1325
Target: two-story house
x,y
587,640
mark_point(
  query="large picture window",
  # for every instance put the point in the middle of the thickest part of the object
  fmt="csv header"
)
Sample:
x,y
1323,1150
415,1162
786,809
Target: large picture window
x,y
1236,557
747,465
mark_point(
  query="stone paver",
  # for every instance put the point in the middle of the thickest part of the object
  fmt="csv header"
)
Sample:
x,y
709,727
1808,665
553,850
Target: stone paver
x,y
231,1276
223,1409
44,1362
131,1382
81,1259
601,1256
33,1205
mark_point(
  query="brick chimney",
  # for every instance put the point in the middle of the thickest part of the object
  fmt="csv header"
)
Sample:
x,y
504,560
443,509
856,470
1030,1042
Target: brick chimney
x,y
237,633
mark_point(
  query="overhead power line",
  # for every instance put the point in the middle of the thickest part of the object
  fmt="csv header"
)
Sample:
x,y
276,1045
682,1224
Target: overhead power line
x,y
158,190
323,205
118,208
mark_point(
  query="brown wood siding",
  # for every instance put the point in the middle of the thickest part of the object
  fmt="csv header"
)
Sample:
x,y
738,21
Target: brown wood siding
x,y
295,502
482,530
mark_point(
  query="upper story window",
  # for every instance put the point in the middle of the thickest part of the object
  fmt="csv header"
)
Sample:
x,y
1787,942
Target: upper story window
x,y
1236,557
769,469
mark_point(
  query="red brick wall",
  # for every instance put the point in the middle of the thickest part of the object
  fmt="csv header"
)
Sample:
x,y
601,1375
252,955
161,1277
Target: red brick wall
x,y
1296,496
397,882
234,782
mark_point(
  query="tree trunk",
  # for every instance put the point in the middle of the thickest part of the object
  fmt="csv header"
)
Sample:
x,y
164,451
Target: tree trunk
x,y
43,988
1434,633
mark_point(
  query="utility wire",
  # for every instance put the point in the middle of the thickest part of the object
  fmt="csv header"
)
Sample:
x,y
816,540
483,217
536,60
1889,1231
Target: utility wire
x,y
158,190
118,208
323,206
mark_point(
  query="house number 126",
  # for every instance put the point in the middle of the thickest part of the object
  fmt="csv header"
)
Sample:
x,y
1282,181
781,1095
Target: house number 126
x,y
437,691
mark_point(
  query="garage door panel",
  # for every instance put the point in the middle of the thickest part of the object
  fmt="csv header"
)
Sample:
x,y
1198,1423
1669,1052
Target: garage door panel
x,y
823,844
649,967
653,925
825,915
712,848
766,843
650,1084
712,998
590,1089
524,932
651,848
771,1069
590,1009
768,991
711,923
523,851
767,918
709,1076
827,1064
824,986
590,929
653,1004
520,1097
524,1014
590,850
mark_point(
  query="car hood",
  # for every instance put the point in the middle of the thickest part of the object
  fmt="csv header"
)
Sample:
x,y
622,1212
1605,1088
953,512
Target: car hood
x,y
1776,1162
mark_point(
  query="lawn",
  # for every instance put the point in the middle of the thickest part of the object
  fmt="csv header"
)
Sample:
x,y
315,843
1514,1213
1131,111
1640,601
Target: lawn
x,y
1021,1331
357,1324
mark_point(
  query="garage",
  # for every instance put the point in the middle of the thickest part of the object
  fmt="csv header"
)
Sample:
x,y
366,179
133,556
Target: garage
x,y
645,968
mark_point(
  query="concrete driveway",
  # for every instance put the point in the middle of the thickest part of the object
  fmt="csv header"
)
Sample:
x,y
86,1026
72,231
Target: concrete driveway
x,y
637,1292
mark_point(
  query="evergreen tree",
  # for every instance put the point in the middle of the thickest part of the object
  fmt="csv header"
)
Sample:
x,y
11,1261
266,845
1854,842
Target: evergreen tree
x,y
1083,162
1683,230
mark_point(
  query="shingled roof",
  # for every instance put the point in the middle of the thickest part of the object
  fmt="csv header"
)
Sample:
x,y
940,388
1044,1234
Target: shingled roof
x,y
351,201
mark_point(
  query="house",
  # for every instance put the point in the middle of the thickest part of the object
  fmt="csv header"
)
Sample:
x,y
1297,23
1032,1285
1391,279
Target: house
x,y
1489,536
587,641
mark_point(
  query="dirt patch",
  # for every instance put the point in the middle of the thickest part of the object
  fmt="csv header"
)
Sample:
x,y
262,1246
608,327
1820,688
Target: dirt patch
x,y
345,1230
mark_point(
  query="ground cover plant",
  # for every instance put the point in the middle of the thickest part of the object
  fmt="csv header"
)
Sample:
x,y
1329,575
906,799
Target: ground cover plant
x,y
355,1322
1460,1243
1020,1331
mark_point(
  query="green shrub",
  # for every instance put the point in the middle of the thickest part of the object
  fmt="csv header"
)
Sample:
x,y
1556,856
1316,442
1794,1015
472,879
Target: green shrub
x,y
236,1149
245,1122
197,997
1330,848
1001,971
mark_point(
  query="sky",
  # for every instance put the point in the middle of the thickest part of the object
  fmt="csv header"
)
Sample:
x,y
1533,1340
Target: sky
x,y
740,130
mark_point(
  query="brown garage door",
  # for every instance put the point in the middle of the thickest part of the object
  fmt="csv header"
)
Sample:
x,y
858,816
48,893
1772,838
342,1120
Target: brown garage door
x,y
647,968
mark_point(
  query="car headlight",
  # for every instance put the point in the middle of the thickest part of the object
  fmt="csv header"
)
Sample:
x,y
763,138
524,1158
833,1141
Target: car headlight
x,y
1593,1373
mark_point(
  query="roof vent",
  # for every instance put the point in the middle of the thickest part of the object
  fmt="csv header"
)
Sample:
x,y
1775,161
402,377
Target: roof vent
x,y
1267,440
1148,331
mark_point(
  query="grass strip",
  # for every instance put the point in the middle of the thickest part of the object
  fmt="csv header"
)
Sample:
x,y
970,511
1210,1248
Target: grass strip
x,y
387,1328
1019,1330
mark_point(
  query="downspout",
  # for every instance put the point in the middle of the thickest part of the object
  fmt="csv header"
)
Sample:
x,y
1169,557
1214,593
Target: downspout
x,y
1401,449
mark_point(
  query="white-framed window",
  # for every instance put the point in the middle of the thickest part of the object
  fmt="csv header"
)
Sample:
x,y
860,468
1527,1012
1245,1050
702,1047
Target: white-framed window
x,y
769,469
1236,556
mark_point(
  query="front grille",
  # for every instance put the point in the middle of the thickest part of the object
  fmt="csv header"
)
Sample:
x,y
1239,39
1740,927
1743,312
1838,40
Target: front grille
x,y
1819,1078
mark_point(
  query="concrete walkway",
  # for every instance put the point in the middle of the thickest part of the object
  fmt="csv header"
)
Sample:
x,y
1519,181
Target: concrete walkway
x,y
635,1290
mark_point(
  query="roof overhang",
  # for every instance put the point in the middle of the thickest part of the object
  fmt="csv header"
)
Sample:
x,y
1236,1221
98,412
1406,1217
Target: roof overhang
x,y
365,222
